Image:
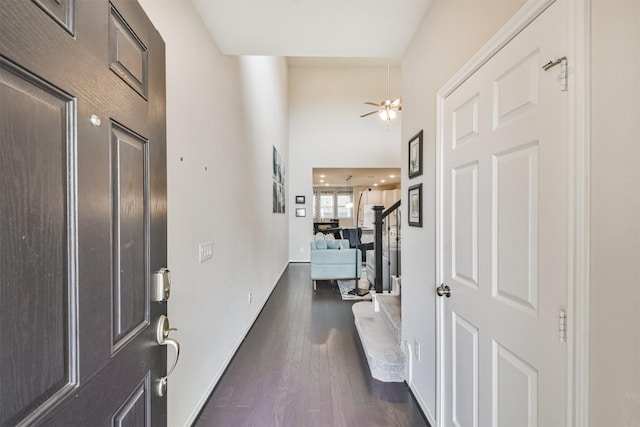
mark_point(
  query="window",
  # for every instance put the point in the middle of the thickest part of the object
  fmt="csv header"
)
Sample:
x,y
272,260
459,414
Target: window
x,y
332,204
326,205
345,205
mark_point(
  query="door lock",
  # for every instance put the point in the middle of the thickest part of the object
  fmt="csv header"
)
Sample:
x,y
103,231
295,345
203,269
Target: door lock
x,y
443,290
161,285
162,337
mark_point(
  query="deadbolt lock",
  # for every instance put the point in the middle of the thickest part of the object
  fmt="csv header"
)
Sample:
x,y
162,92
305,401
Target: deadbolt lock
x,y
161,285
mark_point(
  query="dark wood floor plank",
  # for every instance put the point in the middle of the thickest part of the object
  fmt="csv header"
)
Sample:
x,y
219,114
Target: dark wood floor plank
x,y
302,364
225,417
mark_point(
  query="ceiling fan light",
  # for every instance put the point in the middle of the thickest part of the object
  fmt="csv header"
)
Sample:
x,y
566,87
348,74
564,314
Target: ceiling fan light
x,y
388,115
388,109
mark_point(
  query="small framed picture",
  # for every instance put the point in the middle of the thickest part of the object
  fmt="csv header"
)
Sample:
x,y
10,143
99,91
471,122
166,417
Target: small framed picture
x,y
415,205
301,212
415,155
300,200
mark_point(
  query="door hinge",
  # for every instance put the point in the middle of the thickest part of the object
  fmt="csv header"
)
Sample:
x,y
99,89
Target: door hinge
x,y
562,326
564,71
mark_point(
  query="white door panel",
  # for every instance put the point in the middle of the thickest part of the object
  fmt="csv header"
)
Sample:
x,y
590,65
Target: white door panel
x,y
504,233
464,357
514,389
516,91
514,219
464,221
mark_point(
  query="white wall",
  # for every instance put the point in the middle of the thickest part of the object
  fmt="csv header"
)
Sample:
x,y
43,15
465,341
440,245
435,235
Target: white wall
x,y
615,215
451,32
224,115
325,130
212,124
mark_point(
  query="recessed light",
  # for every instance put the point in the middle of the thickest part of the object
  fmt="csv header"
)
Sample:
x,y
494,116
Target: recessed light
x,y
375,185
327,184
392,176
321,176
382,180
322,180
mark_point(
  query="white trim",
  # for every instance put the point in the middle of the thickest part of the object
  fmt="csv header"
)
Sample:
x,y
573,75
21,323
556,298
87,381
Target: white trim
x,y
579,114
578,289
422,405
440,391
408,349
518,22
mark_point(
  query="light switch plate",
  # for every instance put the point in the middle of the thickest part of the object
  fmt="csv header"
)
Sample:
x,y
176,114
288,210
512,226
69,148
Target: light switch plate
x,y
205,251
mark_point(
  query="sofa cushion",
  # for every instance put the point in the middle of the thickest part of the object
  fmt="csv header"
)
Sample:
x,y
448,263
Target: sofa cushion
x,y
333,244
321,244
336,264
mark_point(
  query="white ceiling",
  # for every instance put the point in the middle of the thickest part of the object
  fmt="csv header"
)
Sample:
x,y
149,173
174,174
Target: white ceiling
x,y
369,177
333,62
313,28
319,33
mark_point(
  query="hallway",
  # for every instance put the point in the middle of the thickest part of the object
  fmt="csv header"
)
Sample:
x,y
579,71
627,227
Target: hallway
x,y
302,365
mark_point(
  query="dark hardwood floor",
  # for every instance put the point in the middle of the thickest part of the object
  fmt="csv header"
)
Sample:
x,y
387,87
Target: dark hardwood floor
x,y
302,364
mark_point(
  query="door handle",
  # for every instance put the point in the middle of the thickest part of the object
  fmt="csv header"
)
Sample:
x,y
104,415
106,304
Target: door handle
x,y
443,290
162,337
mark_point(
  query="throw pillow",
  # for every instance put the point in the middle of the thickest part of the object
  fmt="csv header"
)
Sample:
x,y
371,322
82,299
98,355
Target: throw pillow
x,y
321,244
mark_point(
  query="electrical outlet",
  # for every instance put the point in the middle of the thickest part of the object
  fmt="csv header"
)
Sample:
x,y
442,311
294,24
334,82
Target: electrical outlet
x,y
250,297
205,251
301,249
416,349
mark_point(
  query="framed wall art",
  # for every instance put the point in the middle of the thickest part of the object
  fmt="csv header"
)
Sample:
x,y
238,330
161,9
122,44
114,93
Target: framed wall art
x,y
415,205
415,155
278,182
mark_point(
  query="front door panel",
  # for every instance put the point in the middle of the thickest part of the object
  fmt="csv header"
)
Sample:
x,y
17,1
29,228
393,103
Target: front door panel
x,y
37,261
129,192
82,221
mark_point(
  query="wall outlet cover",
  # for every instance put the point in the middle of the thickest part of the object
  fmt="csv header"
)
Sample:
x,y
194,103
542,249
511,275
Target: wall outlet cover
x,y
205,251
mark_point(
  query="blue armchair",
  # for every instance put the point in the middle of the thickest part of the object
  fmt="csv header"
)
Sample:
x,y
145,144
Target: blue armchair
x,y
332,259
355,242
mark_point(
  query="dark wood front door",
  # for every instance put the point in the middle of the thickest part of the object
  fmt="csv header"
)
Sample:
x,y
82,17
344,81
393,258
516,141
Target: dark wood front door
x,y
82,213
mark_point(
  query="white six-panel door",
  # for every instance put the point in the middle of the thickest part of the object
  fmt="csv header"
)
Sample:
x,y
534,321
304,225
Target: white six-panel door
x,y
504,235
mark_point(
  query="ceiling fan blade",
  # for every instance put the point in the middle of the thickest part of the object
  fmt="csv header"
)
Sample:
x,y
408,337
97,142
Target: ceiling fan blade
x,y
373,103
368,114
397,102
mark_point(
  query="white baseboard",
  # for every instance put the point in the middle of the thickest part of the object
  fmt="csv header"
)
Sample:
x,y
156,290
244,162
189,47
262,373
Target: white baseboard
x,y
430,418
194,415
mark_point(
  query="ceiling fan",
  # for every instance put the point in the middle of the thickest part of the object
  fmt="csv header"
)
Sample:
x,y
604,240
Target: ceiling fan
x,y
387,109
